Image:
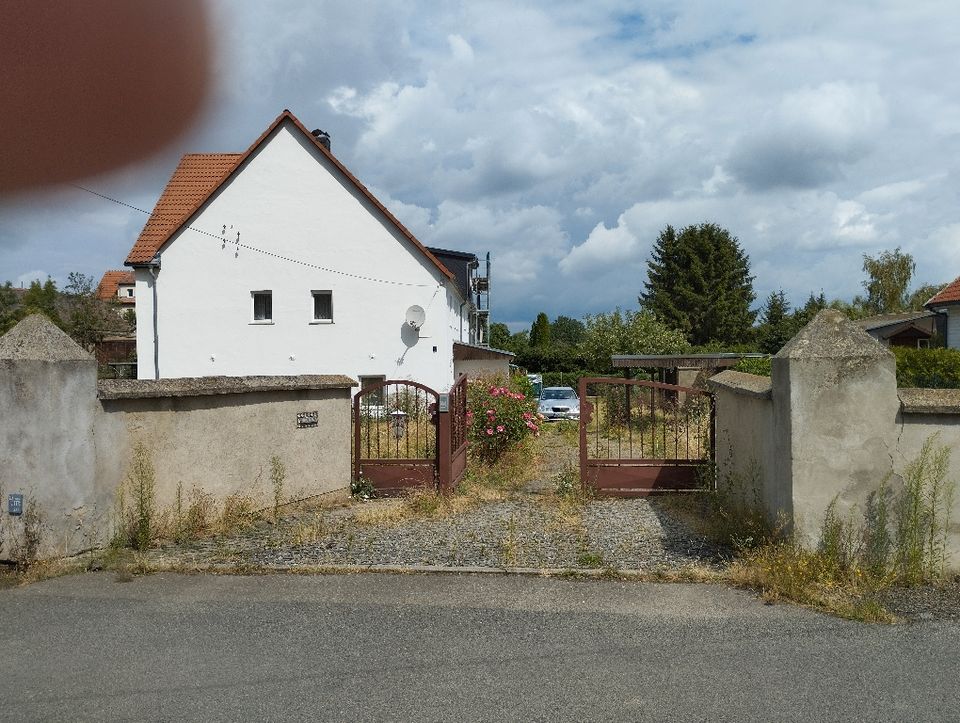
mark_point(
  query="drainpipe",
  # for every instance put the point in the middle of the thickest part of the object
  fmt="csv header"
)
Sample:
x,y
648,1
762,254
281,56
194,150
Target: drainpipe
x,y
460,313
154,267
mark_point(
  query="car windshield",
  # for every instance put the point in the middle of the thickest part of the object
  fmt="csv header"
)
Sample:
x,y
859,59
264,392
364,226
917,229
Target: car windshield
x,y
559,394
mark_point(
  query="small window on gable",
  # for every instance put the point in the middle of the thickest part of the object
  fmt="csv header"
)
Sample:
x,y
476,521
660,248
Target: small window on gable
x,y
322,306
129,292
374,398
262,306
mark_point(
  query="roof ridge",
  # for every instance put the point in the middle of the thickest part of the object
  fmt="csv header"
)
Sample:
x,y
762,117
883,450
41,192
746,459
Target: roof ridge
x,y
949,294
147,245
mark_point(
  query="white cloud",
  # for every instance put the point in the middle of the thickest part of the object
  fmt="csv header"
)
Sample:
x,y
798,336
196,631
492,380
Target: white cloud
x,y
563,136
29,277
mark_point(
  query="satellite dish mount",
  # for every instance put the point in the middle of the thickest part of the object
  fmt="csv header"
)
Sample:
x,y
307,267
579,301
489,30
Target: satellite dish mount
x,y
416,316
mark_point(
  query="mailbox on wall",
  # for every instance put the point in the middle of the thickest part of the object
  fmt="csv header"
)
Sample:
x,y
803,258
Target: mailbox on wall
x,y
15,504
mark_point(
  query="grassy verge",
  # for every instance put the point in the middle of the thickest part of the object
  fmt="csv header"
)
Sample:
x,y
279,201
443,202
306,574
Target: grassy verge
x,y
898,538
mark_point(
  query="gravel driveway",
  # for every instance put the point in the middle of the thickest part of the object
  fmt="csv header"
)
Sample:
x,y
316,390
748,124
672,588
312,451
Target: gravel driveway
x,y
525,532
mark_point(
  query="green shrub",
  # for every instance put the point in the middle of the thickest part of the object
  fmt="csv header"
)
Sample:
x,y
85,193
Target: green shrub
x,y
754,365
928,368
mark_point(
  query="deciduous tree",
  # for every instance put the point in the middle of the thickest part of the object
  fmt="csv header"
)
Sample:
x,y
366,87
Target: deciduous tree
x,y
630,332
566,331
889,277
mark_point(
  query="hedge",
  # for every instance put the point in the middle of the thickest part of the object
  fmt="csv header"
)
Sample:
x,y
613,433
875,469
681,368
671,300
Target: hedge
x,y
927,368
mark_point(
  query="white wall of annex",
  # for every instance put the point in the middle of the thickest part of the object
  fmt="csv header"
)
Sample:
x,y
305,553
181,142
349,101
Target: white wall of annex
x,y
953,327
289,200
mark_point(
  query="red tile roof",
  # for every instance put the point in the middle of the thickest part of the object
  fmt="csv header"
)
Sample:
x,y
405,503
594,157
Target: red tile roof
x,y
199,175
949,294
107,288
195,178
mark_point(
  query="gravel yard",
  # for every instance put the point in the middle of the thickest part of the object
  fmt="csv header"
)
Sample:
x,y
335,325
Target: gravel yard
x,y
526,532
523,528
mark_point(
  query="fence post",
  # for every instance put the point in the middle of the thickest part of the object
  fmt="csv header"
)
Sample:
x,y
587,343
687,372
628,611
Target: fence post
x,y
444,456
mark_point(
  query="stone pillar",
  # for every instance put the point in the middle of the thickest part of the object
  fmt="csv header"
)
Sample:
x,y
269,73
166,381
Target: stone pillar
x,y
48,388
835,409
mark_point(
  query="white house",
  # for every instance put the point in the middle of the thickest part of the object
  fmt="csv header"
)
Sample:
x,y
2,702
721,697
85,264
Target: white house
x,y
118,286
947,301
279,261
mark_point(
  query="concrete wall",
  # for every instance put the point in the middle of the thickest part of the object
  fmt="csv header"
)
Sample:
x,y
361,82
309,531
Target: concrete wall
x,y
67,440
475,368
745,451
833,426
289,199
222,442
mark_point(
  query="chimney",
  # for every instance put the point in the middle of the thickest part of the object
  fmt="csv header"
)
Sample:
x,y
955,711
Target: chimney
x,y
321,136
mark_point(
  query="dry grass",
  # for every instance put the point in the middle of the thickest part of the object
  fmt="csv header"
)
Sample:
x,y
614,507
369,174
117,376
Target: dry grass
x,y
308,532
786,571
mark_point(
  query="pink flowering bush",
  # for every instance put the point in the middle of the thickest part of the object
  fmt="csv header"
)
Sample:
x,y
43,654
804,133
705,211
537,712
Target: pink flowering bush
x,y
499,416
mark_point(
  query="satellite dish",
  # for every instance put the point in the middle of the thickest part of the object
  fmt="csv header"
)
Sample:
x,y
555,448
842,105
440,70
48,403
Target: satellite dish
x,y
416,316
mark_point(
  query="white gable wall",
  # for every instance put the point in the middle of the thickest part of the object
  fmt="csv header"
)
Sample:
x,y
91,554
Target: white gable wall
x,y
290,200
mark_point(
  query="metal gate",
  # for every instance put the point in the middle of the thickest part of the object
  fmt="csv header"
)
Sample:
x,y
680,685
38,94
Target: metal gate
x,y
395,435
406,435
639,437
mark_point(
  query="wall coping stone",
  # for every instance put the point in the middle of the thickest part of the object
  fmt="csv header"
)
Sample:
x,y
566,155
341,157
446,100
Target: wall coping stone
x,y
36,338
831,335
930,401
211,386
750,385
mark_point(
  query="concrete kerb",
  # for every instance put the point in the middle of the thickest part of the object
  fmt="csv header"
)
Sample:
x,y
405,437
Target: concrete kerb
x,y
632,575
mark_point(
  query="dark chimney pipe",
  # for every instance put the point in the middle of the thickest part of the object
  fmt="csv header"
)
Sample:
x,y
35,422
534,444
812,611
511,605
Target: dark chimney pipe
x,y
322,136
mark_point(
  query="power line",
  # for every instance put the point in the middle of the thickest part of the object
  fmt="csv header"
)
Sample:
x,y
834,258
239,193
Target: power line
x,y
222,238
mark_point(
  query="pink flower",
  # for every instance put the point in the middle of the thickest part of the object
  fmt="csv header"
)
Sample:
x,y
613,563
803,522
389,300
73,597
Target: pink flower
x,y
527,415
489,431
499,427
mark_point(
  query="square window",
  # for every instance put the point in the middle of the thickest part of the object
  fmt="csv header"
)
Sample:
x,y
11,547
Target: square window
x,y
322,305
374,398
130,292
262,305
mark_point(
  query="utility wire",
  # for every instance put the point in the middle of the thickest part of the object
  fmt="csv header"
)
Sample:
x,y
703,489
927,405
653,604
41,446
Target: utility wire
x,y
236,244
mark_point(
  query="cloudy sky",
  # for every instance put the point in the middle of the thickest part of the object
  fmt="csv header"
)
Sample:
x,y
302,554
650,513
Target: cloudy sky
x,y
562,136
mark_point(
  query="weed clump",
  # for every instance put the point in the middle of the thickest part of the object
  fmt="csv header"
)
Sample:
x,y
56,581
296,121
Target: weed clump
x,y
278,474
900,539
136,503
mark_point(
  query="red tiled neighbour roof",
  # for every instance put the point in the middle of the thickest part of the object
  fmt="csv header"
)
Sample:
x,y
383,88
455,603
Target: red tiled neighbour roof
x,y
199,175
949,294
107,288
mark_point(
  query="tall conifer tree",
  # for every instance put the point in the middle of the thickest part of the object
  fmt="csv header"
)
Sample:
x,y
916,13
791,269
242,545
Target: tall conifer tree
x,y
699,282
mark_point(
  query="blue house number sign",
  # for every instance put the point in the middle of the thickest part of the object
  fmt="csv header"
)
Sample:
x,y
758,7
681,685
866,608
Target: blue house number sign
x,y
15,504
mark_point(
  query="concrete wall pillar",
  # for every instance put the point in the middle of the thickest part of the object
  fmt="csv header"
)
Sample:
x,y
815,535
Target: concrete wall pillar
x,y
835,409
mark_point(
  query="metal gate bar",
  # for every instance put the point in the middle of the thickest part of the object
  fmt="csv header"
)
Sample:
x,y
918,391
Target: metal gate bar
x,y
639,437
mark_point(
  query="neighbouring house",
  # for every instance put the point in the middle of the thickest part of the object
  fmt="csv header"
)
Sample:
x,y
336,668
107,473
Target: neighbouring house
x,y
913,329
947,302
278,261
118,351
118,287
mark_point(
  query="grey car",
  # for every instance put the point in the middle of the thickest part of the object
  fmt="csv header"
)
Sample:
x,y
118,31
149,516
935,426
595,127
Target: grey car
x,y
559,403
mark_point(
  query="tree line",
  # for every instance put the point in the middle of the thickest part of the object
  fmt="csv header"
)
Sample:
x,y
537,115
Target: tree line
x,y
75,309
699,298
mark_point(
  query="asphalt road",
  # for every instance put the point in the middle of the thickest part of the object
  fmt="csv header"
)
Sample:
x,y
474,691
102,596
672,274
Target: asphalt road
x,y
415,647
